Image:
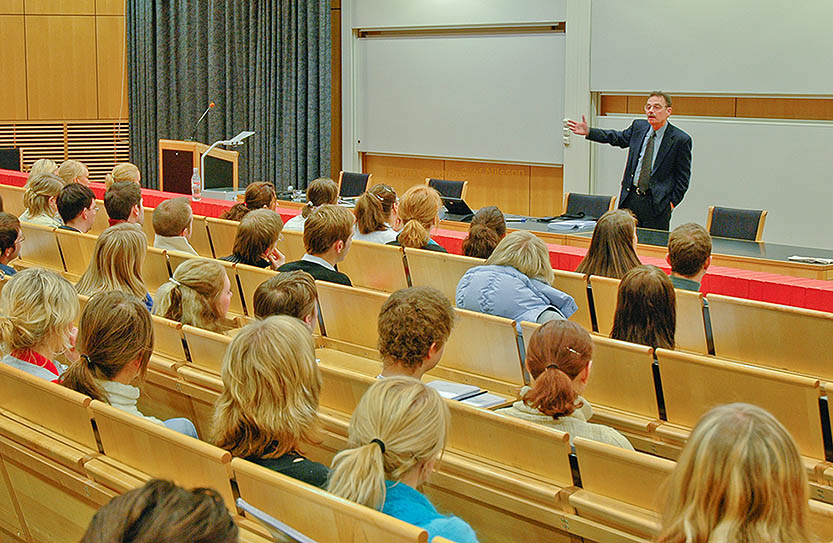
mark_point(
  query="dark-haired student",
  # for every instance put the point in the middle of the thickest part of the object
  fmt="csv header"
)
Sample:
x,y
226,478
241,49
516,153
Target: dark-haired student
x,y
689,255
255,243
77,207
559,359
11,238
487,228
123,202
328,234
376,215
646,309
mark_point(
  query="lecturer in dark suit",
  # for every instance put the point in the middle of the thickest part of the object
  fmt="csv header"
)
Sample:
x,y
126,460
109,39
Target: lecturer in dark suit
x,y
659,162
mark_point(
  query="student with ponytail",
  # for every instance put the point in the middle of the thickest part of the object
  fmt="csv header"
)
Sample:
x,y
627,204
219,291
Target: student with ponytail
x,y
123,172
40,197
115,341
559,358
376,215
419,212
487,228
396,436
258,195
321,191
198,294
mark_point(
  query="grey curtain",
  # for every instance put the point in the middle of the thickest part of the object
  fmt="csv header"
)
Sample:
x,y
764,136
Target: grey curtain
x,y
266,65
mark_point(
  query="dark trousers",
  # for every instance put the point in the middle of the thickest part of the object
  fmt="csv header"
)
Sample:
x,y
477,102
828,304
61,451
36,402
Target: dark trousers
x,y
642,206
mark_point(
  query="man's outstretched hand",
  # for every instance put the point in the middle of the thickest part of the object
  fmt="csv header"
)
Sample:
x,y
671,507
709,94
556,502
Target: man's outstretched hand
x,y
580,128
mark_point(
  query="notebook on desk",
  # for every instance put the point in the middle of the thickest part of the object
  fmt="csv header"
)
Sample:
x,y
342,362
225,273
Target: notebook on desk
x,y
279,530
456,209
467,394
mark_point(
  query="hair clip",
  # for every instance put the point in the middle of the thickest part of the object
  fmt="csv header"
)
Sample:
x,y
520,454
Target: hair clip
x,y
573,351
175,282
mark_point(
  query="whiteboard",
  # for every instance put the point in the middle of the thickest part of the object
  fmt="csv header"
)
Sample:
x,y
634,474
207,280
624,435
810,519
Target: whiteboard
x,y
496,97
784,167
704,46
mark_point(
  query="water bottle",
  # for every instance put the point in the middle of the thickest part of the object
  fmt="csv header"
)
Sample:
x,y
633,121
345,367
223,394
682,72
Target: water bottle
x,y
196,186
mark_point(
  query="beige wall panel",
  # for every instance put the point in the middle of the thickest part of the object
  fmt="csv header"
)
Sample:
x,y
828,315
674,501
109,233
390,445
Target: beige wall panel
x,y
13,7
503,185
546,190
61,67
60,7
335,120
109,7
402,172
786,108
12,68
112,69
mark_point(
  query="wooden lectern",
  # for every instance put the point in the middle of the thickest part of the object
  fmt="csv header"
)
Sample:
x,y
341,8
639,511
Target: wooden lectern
x,y
177,160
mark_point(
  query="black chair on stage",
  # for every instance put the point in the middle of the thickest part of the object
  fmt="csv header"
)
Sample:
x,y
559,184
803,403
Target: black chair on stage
x,y
351,184
588,206
727,222
11,158
448,188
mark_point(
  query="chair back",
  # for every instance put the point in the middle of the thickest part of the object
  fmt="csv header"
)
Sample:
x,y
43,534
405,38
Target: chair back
x,y
147,225
101,221
13,199
691,325
575,284
168,340
221,234
206,348
441,271
448,188
292,245
352,184
356,326
155,270
375,266
591,205
728,222
605,292
199,238
77,249
40,247
250,278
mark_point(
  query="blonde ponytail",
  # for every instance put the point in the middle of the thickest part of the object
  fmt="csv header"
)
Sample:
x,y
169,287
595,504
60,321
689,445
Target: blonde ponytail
x,y
359,475
418,210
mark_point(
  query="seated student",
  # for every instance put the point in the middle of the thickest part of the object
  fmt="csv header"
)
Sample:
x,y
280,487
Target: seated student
x,y
123,202
161,512
487,228
397,434
288,293
172,223
646,309
689,255
268,410
11,239
77,207
558,358
515,283
414,326
321,191
740,477
123,172
115,341
257,195
40,194
117,263
198,294
37,311
255,243
612,250
72,171
328,233
43,165
419,212
376,215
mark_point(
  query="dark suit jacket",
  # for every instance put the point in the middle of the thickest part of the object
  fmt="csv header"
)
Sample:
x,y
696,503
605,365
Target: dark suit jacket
x,y
317,271
671,170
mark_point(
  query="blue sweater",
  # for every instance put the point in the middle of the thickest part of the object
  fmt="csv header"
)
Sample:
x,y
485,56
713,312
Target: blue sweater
x,y
408,504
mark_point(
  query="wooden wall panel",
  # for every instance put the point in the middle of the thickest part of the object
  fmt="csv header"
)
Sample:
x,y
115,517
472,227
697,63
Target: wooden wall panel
x,y
12,68
546,189
814,109
504,185
611,103
710,106
335,116
109,7
111,67
11,7
61,67
402,172
60,7
786,108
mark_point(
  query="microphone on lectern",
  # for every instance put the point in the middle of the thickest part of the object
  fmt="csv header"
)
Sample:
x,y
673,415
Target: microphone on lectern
x,y
204,113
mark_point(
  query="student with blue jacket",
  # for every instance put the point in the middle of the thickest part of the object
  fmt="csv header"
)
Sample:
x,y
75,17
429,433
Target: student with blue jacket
x,y
515,283
396,436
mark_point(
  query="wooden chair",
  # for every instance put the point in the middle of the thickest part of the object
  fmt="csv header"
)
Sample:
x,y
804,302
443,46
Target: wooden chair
x,y
375,266
155,271
206,348
250,278
692,384
590,205
168,339
351,184
221,234
147,225
441,271
448,188
77,250
575,284
772,335
317,514
40,247
12,199
199,238
292,245
605,292
691,326
356,326
727,222
102,222
159,452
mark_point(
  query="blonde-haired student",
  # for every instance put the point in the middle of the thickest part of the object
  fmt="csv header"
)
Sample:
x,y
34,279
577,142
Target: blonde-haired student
x,y
73,171
43,165
396,437
739,478
419,213
40,197
198,294
123,172
37,311
288,293
268,409
115,341
117,263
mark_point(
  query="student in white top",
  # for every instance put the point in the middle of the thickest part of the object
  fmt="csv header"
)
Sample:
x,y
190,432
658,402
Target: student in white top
x,y
377,215
115,341
558,358
173,222
320,191
40,197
